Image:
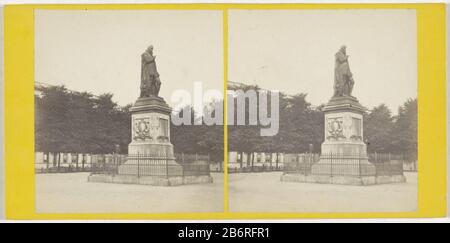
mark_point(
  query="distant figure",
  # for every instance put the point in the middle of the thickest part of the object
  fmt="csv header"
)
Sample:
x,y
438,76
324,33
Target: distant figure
x,y
150,83
343,79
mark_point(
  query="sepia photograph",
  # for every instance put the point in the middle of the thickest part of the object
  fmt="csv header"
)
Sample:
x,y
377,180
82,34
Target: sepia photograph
x,y
222,120
336,92
199,114
120,104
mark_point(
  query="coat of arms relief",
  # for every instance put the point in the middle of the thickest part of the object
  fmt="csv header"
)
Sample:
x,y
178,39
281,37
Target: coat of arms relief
x,y
335,128
149,129
145,128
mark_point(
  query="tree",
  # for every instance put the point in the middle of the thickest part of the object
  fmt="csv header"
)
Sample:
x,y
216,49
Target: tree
x,y
77,122
210,138
405,129
303,125
378,125
244,138
51,119
299,126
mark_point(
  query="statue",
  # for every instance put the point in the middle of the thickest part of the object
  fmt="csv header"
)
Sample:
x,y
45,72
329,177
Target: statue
x,y
343,79
150,83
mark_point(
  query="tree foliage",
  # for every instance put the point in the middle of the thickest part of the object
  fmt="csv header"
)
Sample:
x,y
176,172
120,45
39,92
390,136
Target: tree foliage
x,y
79,122
299,126
378,125
302,125
69,121
392,134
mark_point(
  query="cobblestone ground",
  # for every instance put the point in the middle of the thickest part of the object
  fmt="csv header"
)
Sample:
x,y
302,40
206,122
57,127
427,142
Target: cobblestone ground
x,y
264,192
71,193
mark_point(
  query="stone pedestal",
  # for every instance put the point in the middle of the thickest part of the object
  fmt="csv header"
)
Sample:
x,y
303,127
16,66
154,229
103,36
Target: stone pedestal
x,y
151,159
344,158
150,151
344,152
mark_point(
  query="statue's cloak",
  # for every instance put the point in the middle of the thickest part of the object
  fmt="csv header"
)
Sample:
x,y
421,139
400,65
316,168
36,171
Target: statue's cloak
x,y
148,68
342,75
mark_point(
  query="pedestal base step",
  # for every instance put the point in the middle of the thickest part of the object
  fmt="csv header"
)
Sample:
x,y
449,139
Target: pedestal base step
x,y
343,180
150,180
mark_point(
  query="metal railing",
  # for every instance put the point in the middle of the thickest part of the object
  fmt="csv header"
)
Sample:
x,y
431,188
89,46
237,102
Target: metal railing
x,y
345,165
255,168
154,165
42,168
63,165
109,163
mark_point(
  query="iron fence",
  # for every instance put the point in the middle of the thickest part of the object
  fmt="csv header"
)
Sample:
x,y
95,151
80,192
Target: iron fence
x,y
60,164
345,165
109,163
155,165
257,168
42,168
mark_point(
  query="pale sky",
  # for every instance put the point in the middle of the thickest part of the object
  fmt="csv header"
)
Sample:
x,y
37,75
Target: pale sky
x,y
100,51
293,51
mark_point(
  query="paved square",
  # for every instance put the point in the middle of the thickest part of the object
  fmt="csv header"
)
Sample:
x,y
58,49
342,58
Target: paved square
x,y
72,193
264,192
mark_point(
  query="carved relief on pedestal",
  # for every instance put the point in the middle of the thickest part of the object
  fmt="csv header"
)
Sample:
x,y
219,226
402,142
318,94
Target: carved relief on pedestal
x,y
347,123
163,135
142,129
335,128
145,128
150,128
356,129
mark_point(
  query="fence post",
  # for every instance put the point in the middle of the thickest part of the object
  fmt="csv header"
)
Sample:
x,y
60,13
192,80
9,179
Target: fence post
x,y
377,166
359,164
58,156
309,159
402,166
167,168
391,172
113,169
331,163
138,165
82,162
182,171
118,164
48,160
304,166
209,165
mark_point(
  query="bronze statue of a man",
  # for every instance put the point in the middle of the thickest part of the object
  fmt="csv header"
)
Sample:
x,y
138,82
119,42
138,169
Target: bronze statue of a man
x,y
343,79
150,83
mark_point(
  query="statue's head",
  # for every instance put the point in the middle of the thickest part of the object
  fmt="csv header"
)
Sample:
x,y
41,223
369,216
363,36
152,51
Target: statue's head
x,y
150,49
343,48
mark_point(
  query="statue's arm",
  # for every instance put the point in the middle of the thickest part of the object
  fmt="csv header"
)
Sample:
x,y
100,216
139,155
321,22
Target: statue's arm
x,y
147,57
341,57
